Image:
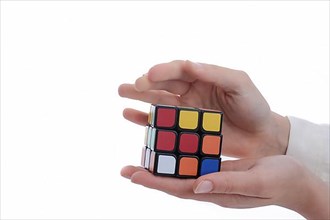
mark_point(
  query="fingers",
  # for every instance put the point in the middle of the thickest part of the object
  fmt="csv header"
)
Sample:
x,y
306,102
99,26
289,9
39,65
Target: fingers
x,y
169,71
153,96
165,83
187,71
183,188
128,171
178,187
231,182
173,86
227,183
225,78
136,116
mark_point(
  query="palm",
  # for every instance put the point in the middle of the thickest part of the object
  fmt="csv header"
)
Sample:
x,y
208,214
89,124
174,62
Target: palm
x,y
196,94
237,131
241,183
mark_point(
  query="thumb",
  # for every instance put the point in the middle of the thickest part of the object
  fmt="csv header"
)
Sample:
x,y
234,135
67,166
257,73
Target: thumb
x,y
227,79
231,182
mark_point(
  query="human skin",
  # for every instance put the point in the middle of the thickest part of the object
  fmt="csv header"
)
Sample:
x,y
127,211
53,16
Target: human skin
x,y
250,128
246,183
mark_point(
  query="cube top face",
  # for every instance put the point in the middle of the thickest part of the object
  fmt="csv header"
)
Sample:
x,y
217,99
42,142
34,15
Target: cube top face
x,y
182,142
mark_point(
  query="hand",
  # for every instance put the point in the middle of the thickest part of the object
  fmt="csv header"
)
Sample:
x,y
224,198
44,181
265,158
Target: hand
x,y
250,128
275,180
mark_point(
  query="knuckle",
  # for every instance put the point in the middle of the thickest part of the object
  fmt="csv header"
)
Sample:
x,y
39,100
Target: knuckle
x,y
243,75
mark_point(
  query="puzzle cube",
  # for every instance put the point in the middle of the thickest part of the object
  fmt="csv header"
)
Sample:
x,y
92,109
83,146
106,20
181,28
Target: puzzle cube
x,y
182,142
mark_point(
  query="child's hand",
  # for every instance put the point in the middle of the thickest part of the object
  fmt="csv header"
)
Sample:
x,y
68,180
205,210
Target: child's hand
x,y
250,128
274,180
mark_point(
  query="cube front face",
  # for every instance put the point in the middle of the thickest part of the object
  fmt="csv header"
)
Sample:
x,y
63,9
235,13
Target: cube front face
x,y
182,142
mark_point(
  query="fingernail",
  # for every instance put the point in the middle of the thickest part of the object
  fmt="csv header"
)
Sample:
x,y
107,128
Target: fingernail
x,y
204,187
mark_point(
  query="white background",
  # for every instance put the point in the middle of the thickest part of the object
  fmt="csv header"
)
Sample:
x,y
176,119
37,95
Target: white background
x,y
63,138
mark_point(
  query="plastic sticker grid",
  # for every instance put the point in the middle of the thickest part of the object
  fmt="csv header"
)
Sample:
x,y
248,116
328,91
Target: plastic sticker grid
x,y
182,142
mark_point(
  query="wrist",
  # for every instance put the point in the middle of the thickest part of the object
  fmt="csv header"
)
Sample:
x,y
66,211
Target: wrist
x,y
315,205
303,192
278,134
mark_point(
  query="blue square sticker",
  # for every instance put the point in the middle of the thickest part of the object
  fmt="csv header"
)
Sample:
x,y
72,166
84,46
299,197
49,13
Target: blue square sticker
x,y
210,165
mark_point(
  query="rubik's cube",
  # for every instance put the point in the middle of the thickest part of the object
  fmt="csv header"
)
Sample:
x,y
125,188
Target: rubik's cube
x,y
182,142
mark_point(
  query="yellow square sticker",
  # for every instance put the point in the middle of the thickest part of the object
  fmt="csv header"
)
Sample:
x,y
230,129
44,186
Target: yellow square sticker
x,y
188,119
211,121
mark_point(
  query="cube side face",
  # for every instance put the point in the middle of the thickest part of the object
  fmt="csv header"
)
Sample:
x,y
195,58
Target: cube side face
x,y
143,157
152,162
182,142
147,158
151,116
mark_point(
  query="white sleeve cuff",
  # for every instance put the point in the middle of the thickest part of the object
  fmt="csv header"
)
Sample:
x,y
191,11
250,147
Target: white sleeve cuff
x,y
309,144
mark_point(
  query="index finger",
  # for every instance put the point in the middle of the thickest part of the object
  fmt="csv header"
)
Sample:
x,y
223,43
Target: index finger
x,y
174,70
187,71
174,186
